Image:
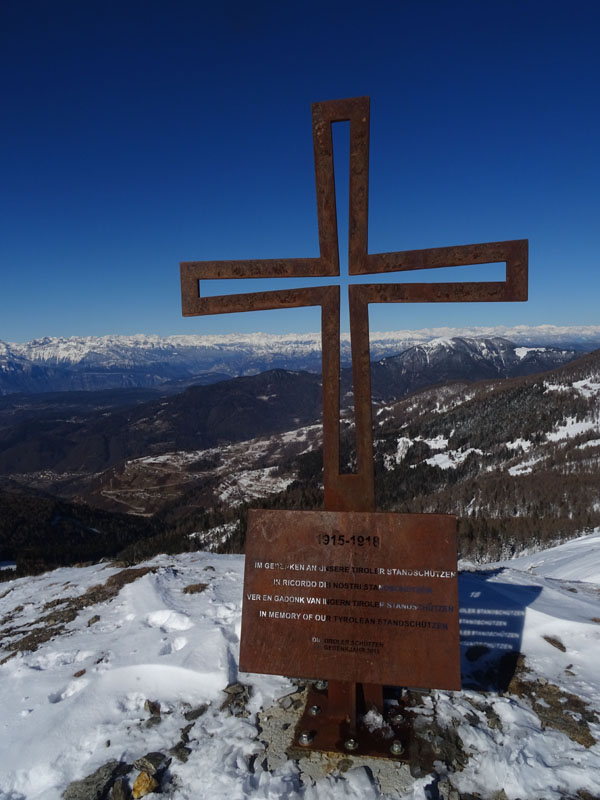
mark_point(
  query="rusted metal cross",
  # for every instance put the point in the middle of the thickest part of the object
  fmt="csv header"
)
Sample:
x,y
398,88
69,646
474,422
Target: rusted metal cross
x,y
352,492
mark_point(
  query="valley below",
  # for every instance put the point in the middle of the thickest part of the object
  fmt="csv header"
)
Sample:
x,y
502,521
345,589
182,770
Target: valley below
x,y
460,426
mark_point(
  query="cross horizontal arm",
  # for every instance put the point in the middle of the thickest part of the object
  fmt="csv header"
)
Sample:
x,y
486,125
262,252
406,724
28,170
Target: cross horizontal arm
x,y
257,268
435,257
513,253
193,305
468,292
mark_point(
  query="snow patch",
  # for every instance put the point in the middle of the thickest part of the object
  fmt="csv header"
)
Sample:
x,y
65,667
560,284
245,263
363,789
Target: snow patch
x,y
437,443
520,444
239,487
452,458
168,620
572,428
521,352
525,467
587,388
589,443
557,387
213,538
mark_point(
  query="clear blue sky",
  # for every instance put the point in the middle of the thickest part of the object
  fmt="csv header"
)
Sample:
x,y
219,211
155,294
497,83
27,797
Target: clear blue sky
x,y
137,134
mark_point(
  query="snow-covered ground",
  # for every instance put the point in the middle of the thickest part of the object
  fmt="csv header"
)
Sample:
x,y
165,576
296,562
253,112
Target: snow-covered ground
x,y
170,633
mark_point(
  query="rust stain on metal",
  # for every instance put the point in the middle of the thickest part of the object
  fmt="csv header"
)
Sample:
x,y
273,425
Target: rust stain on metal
x,y
352,492
395,739
359,596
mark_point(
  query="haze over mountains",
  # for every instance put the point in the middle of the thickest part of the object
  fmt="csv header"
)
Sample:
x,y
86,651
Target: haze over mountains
x,y
96,363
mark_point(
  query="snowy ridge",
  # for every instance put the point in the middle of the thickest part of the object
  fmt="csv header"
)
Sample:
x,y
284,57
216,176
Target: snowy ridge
x,y
76,349
95,363
170,635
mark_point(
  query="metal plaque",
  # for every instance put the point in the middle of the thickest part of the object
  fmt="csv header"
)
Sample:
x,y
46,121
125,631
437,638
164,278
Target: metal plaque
x,y
352,596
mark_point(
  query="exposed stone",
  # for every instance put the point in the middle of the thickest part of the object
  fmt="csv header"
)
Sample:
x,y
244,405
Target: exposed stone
x,y
120,790
234,688
31,641
60,617
144,784
287,701
153,707
194,713
54,624
236,700
96,785
555,643
195,588
93,620
181,752
53,603
445,791
493,720
583,794
185,733
153,763
563,711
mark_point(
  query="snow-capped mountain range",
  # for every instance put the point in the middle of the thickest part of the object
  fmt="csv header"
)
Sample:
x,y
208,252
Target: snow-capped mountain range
x,y
461,358
91,363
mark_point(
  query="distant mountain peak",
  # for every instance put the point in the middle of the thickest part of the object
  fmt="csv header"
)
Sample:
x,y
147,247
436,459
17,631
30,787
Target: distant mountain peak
x,y
147,360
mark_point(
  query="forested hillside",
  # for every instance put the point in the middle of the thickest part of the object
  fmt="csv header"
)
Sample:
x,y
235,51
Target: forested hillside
x,y
39,532
517,461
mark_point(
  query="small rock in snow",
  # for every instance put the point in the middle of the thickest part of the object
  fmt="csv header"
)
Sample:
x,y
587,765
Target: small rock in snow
x,y
144,784
152,763
96,785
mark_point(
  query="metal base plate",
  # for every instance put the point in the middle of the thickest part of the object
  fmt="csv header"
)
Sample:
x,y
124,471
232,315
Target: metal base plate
x,y
393,739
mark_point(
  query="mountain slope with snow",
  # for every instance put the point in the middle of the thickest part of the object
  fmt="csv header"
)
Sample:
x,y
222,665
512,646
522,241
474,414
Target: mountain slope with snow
x,y
461,358
102,665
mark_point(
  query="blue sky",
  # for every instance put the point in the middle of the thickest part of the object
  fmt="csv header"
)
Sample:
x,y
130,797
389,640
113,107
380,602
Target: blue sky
x,y
139,134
